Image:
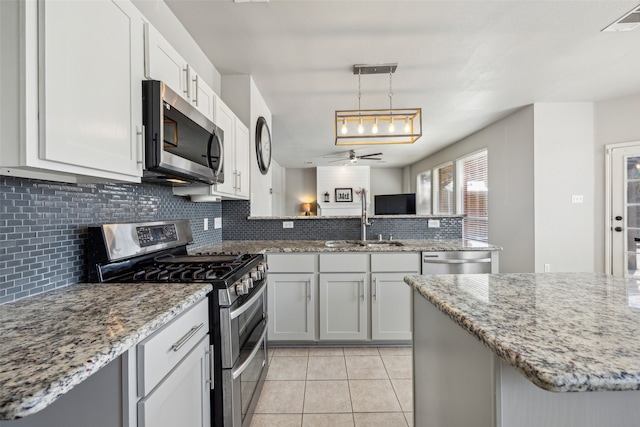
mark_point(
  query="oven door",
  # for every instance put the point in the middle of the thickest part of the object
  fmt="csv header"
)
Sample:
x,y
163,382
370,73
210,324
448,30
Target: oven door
x,y
239,321
242,384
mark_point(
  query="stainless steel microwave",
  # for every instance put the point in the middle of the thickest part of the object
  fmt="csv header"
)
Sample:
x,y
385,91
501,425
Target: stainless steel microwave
x,y
182,146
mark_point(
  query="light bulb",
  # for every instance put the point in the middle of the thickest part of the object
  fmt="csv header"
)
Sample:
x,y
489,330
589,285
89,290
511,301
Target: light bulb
x,y
392,127
344,126
407,127
374,129
360,127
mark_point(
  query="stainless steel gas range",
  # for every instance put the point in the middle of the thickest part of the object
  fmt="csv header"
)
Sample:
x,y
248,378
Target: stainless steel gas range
x,y
156,252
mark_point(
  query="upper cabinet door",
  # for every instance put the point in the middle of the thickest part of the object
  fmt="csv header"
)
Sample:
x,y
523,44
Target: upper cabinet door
x,y
91,71
225,119
202,96
162,62
243,167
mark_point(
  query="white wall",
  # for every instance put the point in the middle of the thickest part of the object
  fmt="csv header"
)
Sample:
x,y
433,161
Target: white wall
x,y
615,121
511,187
164,20
386,181
241,94
300,188
563,155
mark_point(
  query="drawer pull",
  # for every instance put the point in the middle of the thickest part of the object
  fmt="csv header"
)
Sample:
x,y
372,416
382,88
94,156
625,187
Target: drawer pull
x,y
182,341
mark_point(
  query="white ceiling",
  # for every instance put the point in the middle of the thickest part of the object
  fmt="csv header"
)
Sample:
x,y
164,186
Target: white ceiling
x,y
465,63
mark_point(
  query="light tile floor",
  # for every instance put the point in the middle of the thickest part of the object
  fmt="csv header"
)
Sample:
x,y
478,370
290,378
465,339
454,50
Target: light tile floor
x,y
336,387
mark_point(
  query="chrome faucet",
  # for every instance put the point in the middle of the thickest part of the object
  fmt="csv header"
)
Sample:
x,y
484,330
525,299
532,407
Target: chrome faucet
x,y
364,219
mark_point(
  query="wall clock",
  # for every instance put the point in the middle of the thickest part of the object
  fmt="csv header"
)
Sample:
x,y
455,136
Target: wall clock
x,y
263,145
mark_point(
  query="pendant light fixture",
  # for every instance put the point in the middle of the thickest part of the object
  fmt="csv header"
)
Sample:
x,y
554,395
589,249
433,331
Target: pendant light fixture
x,y
368,127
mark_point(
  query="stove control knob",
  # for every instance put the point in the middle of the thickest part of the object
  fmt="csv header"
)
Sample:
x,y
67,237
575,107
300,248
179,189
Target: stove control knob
x,y
255,275
247,283
242,288
262,267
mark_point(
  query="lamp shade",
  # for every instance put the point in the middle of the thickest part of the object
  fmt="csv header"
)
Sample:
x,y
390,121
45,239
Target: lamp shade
x,y
306,208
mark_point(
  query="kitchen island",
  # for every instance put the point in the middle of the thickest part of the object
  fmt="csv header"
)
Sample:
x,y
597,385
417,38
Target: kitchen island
x,y
553,349
56,341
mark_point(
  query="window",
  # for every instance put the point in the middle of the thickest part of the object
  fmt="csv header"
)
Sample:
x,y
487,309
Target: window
x,y
473,195
423,193
443,189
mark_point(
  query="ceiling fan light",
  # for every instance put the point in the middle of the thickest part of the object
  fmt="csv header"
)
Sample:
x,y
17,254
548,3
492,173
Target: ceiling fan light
x,y
374,129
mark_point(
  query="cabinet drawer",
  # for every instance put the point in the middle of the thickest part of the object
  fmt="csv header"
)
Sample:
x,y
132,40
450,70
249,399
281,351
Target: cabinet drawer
x,y
161,352
392,262
291,263
338,263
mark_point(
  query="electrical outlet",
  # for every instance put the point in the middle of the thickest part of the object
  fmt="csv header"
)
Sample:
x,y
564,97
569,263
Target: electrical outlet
x,y
577,198
433,223
217,223
206,224
287,224
547,268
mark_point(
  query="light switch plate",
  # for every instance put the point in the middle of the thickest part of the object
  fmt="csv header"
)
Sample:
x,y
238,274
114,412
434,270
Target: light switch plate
x,y
577,198
433,223
287,224
206,224
217,222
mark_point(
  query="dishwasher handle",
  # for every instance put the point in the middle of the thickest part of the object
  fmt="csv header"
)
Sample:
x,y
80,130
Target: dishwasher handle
x,y
456,261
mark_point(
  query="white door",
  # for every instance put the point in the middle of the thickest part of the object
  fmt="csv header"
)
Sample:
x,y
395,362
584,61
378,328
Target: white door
x,y
623,211
390,307
291,305
343,306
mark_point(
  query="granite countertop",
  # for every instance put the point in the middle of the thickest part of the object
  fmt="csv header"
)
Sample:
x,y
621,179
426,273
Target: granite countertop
x,y
565,332
53,341
262,246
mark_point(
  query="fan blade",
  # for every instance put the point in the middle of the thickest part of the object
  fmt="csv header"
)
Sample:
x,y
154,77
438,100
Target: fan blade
x,y
364,156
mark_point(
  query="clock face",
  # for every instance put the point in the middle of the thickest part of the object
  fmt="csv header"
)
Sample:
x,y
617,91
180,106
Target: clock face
x,y
263,145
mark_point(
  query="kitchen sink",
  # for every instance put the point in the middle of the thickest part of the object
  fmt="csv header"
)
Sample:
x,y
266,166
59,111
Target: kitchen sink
x,y
360,243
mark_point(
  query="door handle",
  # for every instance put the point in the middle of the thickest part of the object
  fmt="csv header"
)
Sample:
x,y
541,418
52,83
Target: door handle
x,y
375,288
618,218
309,290
618,228
362,290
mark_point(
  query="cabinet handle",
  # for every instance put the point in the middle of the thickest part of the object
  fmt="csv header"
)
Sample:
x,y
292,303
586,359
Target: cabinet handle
x,y
140,141
187,86
375,288
195,100
309,291
239,180
211,366
182,341
362,290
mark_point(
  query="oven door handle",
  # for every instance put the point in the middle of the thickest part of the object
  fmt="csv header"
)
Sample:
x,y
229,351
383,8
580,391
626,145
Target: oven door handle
x,y
243,364
247,304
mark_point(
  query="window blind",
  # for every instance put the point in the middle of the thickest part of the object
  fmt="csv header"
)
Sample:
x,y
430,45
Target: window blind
x,y
473,195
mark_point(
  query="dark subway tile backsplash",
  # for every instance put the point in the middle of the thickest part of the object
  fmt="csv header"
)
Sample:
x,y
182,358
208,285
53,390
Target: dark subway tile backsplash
x,y
43,227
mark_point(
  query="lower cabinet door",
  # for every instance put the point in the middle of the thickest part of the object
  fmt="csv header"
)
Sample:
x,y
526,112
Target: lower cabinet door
x,y
182,398
390,307
291,307
344,306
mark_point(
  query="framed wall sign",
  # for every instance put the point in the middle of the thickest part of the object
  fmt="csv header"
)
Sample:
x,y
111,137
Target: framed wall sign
x,y
344,194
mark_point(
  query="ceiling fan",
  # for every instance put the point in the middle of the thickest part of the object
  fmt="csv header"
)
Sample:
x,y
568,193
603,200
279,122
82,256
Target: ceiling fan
x,y
351,157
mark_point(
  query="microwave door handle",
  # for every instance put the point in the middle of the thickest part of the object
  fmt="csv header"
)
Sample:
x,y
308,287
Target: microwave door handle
x,y
221,154
217,171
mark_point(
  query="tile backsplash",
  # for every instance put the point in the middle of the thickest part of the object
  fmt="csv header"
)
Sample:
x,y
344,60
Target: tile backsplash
x,y
238,227
43,227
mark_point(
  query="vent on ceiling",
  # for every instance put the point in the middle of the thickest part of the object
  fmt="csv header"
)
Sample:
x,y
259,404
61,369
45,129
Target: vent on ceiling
x,y
628,22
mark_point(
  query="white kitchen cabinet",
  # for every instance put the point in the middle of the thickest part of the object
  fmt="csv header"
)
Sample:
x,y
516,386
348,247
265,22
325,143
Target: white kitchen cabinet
x,y
291,308
73,72
182,398
174,372
343,306
236,153
292,297
163,62
391,305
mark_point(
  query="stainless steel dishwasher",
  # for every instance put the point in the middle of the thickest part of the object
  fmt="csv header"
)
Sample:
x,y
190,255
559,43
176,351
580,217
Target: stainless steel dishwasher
x,y
458,262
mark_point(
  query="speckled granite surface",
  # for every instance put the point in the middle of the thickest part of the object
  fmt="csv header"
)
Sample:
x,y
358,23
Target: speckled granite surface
x,y
53,341
565,332
261,246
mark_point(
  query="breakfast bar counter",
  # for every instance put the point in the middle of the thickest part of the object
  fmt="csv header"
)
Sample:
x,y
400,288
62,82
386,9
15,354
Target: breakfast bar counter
x,y
481,342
